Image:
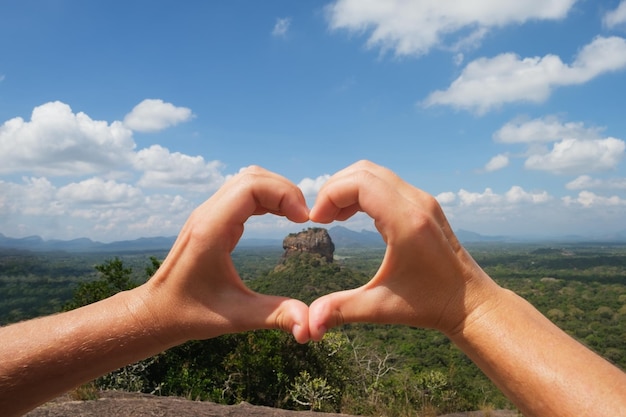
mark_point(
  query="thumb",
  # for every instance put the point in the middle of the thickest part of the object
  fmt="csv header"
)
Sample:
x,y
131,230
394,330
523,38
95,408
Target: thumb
x,y
340,308
274,312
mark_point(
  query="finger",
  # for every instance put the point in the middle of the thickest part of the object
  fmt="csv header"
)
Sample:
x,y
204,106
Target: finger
x,y
346,194
261,311
363,191
412,194
369,303
260,191
251,192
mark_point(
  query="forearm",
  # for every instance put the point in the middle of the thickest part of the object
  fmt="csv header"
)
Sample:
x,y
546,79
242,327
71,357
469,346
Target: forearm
x,y
540,368
45,357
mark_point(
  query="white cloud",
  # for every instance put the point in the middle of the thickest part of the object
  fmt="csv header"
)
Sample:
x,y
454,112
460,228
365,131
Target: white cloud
x,y
586,182
415,27
445,198
497,162
615,17
311,186
488,197
516,195
118,202
545,129
575,156
281,27
97,191
522,213
519,212
152,115
588,199
163,169
59,142
488,83
35,196
576,149
95,208
515,211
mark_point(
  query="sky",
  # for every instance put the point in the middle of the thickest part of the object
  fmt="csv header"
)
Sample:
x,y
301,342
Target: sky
x,y
118,118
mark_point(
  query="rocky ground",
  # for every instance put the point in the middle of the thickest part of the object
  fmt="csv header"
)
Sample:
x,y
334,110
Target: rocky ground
x,y
119,404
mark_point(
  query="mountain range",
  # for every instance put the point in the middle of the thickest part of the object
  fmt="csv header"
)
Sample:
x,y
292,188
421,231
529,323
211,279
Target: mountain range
x,y
342,238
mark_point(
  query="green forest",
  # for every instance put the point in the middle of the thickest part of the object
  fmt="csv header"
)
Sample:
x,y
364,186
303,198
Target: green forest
x,y
359,369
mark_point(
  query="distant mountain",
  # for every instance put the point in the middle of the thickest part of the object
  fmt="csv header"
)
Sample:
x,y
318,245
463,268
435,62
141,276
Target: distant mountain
x,y
345,238
36,243
342,238
465,236
617,236
252,242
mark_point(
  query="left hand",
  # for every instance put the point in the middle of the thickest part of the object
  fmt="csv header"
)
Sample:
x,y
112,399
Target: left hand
x,y
197,293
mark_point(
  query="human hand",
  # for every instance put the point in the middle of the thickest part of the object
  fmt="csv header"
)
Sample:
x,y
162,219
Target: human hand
x,y
197,293
426,279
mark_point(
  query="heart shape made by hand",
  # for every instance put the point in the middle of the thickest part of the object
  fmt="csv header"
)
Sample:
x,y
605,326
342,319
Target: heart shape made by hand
x,y
421,281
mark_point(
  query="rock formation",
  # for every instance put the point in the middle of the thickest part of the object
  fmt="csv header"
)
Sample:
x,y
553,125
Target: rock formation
x,y
315,240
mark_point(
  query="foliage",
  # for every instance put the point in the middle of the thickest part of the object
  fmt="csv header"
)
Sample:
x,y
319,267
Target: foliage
x,y
365,369
130,378
311,392
85,392
306,277
114,277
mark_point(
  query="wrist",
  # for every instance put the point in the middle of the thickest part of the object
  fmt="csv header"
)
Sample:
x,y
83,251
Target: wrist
x,y
485,315
482,300
155,317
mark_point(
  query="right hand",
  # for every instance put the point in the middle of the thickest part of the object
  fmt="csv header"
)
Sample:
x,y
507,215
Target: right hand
x,y
426,278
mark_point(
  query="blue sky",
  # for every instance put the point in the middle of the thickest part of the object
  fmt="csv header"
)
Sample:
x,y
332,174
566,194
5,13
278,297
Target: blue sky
x,y
118,118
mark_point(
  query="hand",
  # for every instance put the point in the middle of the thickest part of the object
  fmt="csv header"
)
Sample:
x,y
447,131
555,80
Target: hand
x,y
197,293
426,278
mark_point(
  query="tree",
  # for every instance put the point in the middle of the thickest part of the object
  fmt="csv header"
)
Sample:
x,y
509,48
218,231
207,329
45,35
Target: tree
x,y
114,278
153,267
311,392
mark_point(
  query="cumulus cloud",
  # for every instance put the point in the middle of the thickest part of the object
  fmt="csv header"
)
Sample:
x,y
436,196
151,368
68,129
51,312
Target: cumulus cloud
x,y
58,141
576,149
281,27
96,208
533,213
587,182
516,195
34,196
497,162
415,27
544,129
84,177
572,156
311,186
488,83
615,17
152,115
589,199
486,198
163,169
97,191
445,198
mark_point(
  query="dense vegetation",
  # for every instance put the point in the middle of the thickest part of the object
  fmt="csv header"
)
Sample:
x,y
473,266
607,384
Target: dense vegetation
x,y
358,369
